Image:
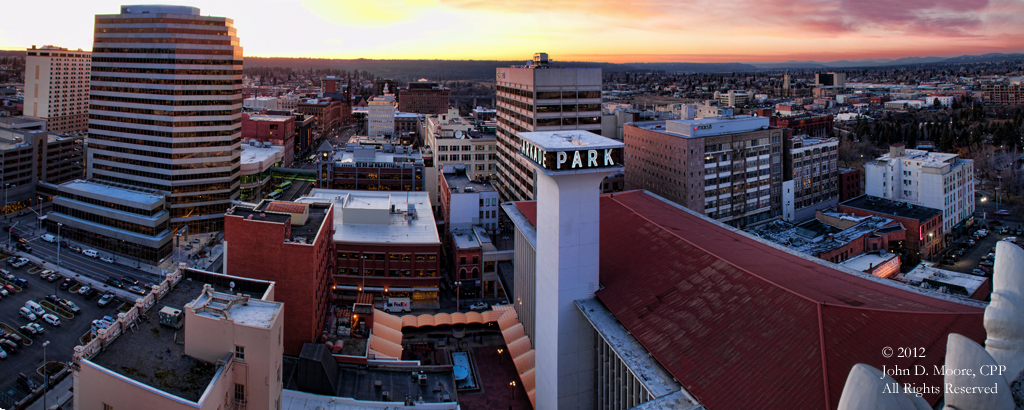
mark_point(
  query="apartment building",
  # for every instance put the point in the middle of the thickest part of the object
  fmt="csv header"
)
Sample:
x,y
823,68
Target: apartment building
x,y
423,97
452,141
380,121
35,162
931,179
57,87
727,168
540,97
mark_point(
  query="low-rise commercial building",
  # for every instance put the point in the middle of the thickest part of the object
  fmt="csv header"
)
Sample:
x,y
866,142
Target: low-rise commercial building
x,y
35,162
470,211
423,97
125,220
386,244
257,159
924,225
290,244
274,129
365,167
849,184
813,125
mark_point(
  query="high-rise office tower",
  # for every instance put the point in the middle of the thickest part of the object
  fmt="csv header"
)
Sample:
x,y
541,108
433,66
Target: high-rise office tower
x,y
57,87
540,97
165,108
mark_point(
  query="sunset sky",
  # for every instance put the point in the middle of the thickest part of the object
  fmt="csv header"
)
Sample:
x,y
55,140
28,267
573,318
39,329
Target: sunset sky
x,y
591,30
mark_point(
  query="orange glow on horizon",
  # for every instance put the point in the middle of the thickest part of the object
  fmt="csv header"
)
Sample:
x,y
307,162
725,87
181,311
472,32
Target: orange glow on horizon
x,y
569,30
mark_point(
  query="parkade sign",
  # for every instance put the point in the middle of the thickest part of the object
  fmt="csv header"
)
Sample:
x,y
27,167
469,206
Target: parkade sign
x,y
568,160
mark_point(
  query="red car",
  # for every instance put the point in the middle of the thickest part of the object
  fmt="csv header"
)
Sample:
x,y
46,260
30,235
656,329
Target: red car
x,y
9,288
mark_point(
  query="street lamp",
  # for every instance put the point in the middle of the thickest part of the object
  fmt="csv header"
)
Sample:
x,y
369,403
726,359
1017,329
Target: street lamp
x,y
500,351
458,288
46,377
998,188
513,385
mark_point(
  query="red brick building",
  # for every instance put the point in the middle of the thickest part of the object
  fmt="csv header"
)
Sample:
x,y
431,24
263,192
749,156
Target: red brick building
x,y
849,184
275,129
291,244
1002,94
817,126
924,225
327,112
423,97
387,244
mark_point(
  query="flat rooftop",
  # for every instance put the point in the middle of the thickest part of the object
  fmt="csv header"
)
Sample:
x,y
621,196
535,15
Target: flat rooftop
x,y
270,118
9,121
151,355
110,191
706,127
866,261
281,212
359,384
955,282
243,310
894,208
569,140
253,154
402,227
811,237
462,182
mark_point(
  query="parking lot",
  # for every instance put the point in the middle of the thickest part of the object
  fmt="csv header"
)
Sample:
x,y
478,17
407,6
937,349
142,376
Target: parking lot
x,y
29,355
974,255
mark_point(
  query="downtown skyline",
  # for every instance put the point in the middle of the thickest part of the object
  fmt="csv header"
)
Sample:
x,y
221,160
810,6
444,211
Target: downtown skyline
x,y
599,31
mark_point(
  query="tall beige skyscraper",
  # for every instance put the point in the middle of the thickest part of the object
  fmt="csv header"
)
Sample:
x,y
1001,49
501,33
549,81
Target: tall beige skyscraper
x,y
540,97
57,87
166,102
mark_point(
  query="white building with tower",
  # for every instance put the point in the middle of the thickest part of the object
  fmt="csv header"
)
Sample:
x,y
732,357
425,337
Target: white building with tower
x,y
380,120
932,179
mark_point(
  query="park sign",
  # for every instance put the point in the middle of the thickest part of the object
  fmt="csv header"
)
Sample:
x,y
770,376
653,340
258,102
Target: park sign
x,y
570,150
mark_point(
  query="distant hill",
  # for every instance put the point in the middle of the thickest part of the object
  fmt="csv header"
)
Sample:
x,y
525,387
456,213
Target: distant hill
x,y
991,57
408,70
877,62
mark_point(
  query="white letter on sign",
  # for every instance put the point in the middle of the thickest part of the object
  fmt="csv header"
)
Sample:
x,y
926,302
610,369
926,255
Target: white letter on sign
x,y
608,158
576,161
591,158
562,157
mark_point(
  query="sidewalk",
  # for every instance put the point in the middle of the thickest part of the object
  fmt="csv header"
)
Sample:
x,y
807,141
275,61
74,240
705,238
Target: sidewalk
x,y
59,397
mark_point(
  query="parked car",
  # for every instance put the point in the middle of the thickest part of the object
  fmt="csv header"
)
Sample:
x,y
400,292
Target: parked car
x,y
26,383
978,272
988,263
479,306
105,300
9,346
75,248
44,273
107,259
129,280
22,247
35,328
49,238
52,277
67,283
101,324
83,290
92,253
4,291
20,262
114,282
27,314
6,275
10,288
52,299
12,336
21,282
3,354
69,306
51,319
136,289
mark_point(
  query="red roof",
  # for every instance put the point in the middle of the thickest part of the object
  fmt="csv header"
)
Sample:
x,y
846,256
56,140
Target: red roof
x,y
741,323
288,207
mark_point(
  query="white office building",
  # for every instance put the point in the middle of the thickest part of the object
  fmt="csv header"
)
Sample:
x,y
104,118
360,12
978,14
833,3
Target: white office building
x,y
381,115
932,179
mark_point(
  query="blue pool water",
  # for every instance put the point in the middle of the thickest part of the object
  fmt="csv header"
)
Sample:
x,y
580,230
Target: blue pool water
x,y
463,369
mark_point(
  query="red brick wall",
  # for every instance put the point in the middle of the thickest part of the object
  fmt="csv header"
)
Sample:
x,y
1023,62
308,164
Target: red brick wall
x,y
386,265
849,185
917,239
303,273
275,132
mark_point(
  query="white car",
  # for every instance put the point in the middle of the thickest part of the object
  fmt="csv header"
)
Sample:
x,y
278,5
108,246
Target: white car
x,y
51,319
27,314
107,259
479,306
83,290
20,262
